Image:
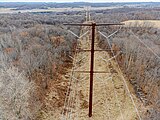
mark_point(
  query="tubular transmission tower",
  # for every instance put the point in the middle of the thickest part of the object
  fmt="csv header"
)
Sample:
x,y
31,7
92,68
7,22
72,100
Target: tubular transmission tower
x,y
92,50
88,17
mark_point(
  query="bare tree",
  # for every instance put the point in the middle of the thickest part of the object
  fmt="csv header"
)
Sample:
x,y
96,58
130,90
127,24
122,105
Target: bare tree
x,y
15,90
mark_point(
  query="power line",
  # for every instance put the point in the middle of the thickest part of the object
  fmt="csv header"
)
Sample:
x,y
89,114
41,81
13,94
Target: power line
x,y
145,45
110,58
73,93
124,81
72,89
68,89
93,25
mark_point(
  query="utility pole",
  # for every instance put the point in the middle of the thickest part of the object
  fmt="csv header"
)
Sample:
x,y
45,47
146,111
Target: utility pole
x,y
91,69
93,26
87,11
86,15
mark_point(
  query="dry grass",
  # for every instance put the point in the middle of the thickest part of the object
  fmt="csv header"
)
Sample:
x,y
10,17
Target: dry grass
x,y
142,23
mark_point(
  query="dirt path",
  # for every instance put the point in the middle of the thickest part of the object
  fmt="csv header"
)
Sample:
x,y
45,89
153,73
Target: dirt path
x,y
110,99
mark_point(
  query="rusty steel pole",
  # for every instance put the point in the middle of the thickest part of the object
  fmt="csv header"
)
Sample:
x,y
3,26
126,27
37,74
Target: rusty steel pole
x,y
93,25
91,70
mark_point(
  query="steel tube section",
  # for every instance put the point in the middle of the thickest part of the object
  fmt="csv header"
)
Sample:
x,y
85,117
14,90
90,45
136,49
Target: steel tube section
x,y
91,70
98,24
110,58
73,33
90,50
77,24
83,34
107,24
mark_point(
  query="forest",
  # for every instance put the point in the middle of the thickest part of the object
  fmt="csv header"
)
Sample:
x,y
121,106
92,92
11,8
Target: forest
x,y
33,55
36,50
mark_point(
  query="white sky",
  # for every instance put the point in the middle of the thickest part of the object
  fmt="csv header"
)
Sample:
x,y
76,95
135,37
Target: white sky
x,y
79,0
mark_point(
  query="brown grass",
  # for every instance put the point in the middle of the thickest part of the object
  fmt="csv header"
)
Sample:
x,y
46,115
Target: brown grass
x,y
142,23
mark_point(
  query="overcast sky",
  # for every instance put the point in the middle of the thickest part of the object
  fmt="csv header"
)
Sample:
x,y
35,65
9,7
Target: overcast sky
x,y
79,0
